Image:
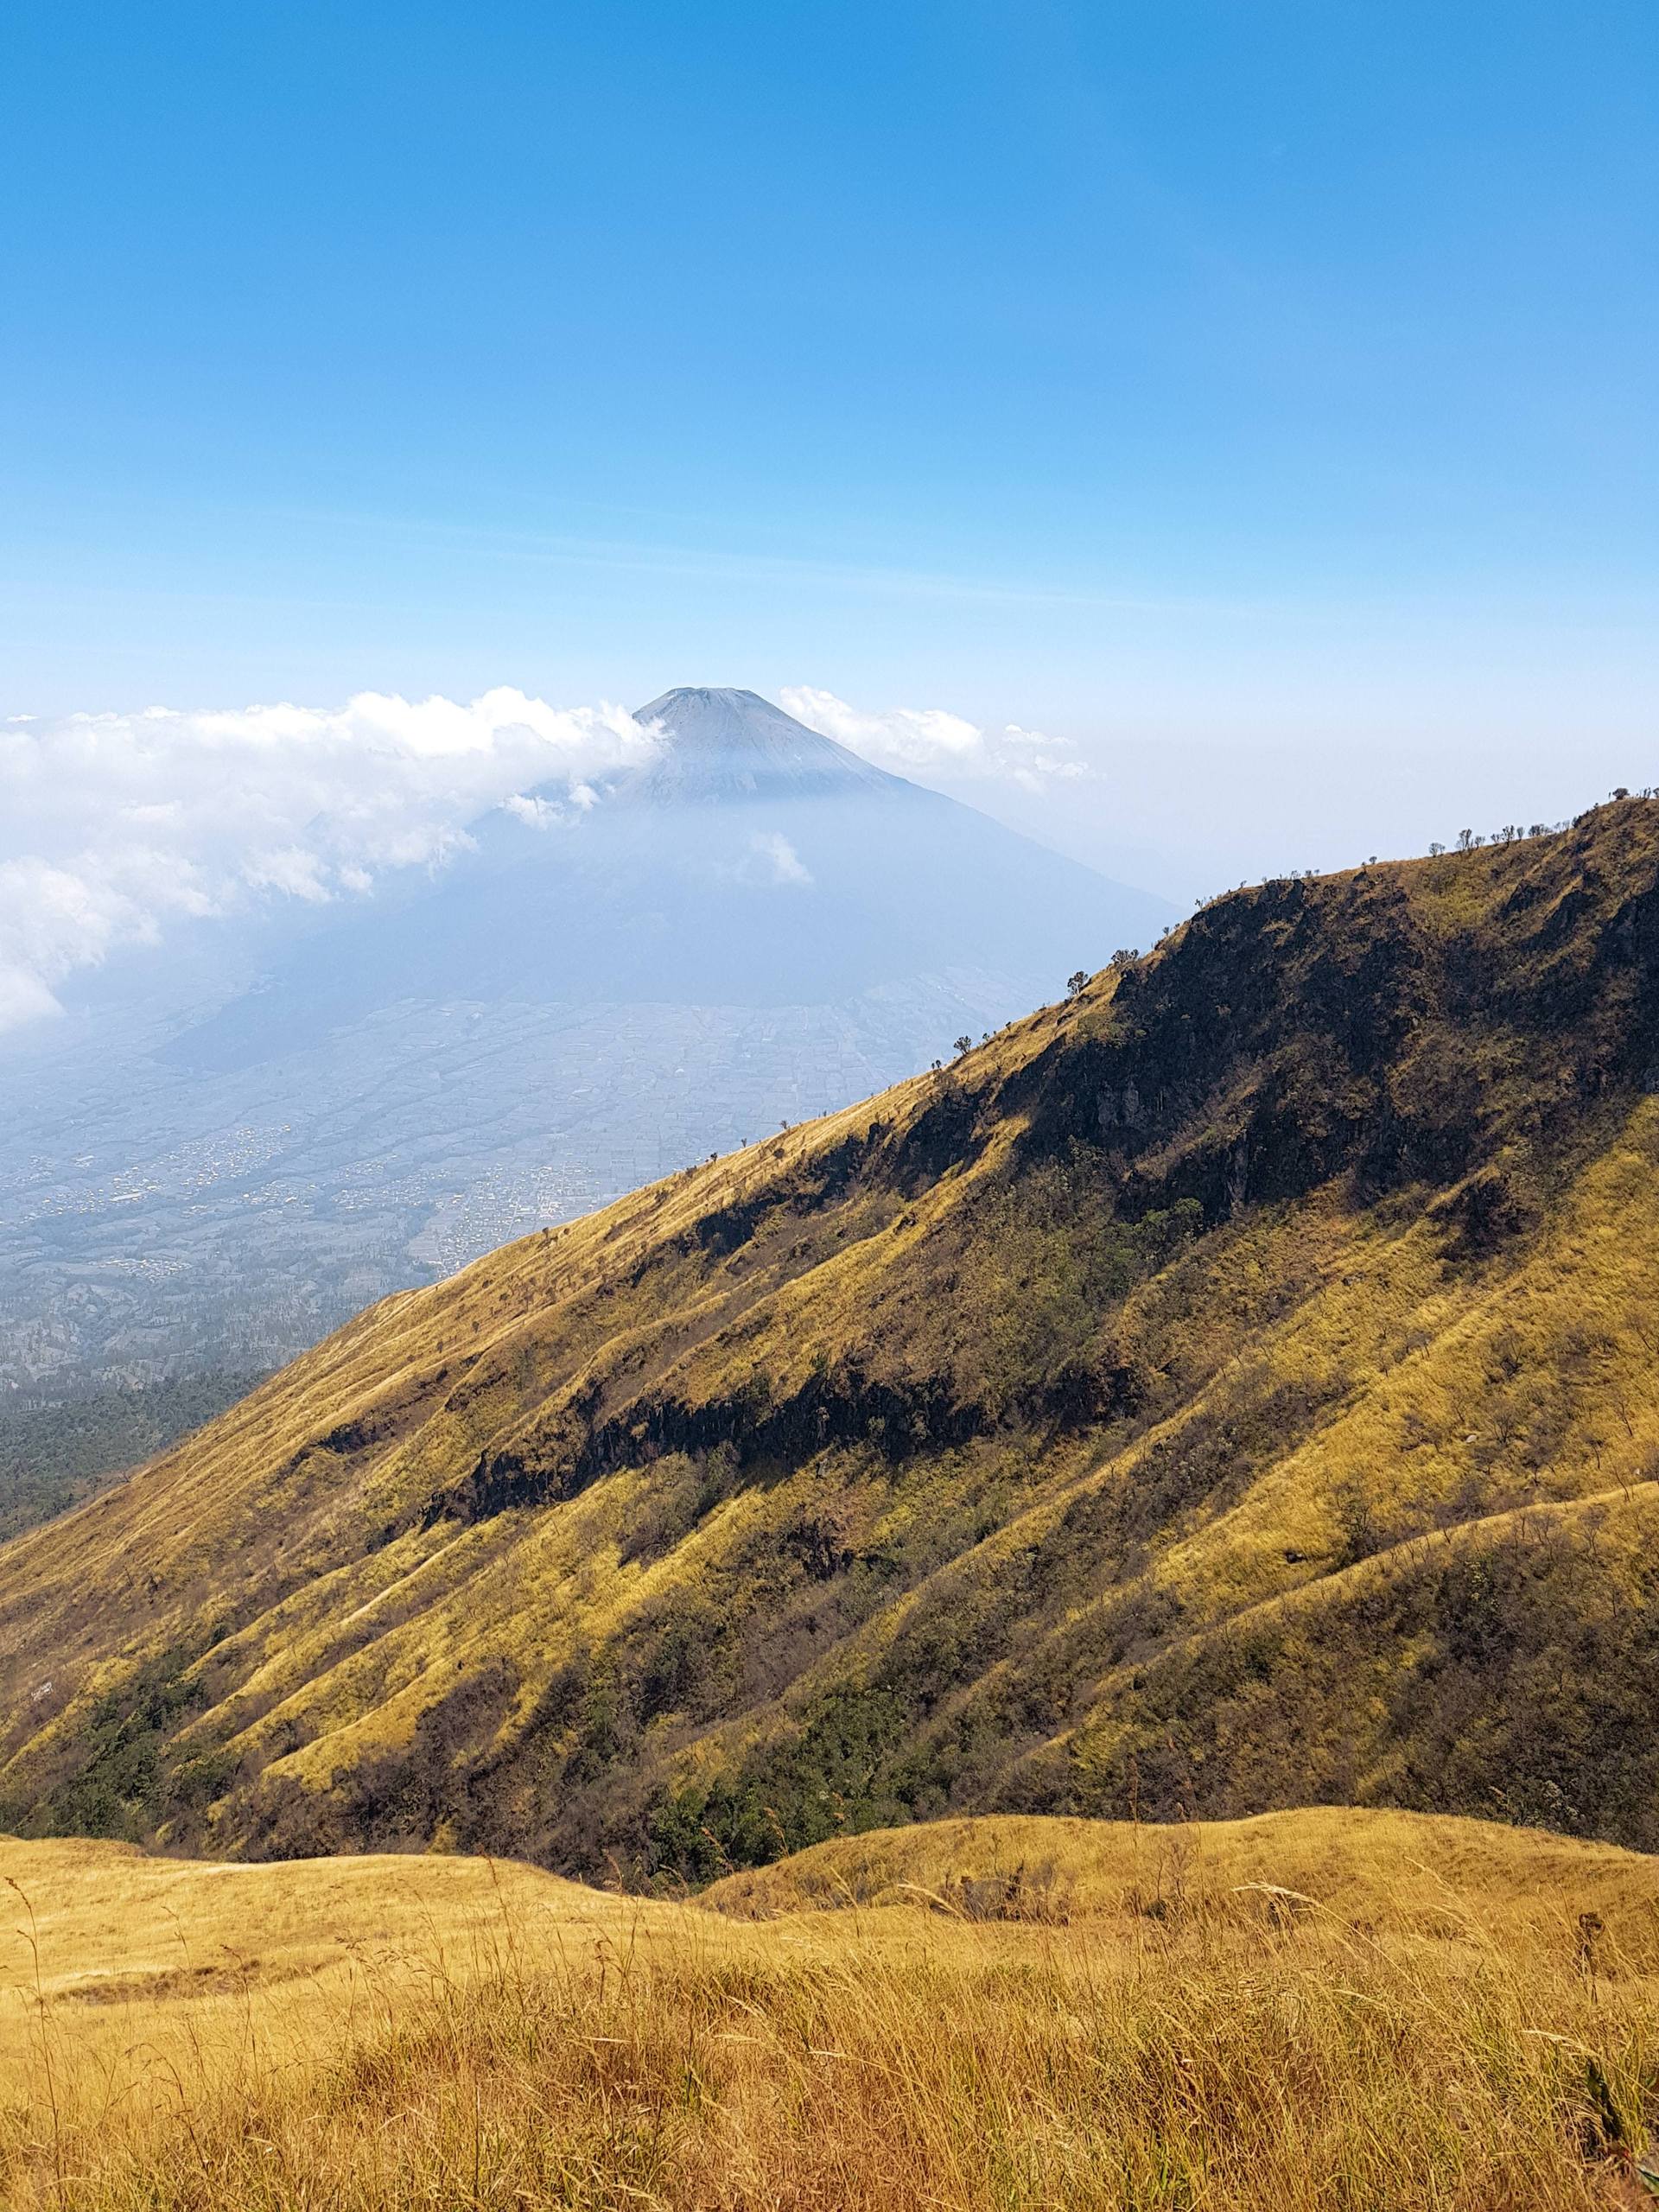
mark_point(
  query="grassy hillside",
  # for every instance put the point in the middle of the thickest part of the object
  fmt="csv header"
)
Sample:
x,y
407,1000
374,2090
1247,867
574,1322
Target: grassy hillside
x,y
1312,2009
1413,1874
1232,1389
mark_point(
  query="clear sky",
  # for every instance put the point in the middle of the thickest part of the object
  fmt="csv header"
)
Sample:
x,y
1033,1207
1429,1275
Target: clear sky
x,y
1260,396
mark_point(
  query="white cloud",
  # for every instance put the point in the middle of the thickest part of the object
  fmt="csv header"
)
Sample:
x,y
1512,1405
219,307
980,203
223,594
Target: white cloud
x,y
536,812
787,864
22,998
931,742
294,870
114,827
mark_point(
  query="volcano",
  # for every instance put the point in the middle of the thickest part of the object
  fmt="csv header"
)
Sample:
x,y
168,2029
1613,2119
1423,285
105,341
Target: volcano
x,y
748,862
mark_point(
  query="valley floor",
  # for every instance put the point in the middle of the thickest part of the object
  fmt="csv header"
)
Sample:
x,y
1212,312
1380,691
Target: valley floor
x,y
1323,2008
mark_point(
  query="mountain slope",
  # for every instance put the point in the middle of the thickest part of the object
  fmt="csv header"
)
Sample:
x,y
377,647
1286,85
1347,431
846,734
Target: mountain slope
x,y
753,926
1231,1388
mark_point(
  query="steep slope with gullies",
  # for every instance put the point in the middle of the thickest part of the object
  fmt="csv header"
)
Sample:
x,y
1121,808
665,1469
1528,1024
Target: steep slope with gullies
x,y
1234,1387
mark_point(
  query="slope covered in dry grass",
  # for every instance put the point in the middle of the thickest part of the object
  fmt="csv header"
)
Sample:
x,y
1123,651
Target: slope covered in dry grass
x,y
1231,1388
1325,2009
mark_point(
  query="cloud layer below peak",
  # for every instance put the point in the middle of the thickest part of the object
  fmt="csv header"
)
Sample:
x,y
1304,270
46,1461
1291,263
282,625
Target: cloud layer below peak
x,y
115,826
931,743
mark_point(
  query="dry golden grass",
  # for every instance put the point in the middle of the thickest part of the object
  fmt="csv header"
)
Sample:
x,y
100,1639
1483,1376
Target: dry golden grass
x,y
1410,1873
1323,2009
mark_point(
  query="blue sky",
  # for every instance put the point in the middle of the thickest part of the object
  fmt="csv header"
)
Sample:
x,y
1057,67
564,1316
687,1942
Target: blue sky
x,y
1269,386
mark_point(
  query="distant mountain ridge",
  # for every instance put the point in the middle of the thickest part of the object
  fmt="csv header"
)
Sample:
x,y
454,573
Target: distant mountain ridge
x,y
1230,1388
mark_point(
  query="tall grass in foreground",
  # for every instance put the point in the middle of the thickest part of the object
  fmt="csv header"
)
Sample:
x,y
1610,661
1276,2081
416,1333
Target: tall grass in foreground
x,y
886,2060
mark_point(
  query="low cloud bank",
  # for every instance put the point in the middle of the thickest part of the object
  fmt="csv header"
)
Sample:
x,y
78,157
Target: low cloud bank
x,y
113,826
928,740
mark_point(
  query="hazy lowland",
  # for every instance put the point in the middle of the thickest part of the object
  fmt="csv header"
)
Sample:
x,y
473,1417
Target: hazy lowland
x,y
1089,1624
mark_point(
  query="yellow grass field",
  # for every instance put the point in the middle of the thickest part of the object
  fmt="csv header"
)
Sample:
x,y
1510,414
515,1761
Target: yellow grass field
x,y
1325,2008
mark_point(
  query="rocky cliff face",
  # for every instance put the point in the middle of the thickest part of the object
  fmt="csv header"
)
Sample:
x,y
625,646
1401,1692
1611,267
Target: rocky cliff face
x,y
1230,1389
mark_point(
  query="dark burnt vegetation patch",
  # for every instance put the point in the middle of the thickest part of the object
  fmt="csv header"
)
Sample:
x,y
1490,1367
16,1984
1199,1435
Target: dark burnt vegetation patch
x,y
1513,1675
1001,1322
121,1781
834,1406
858,1166
1298,1032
